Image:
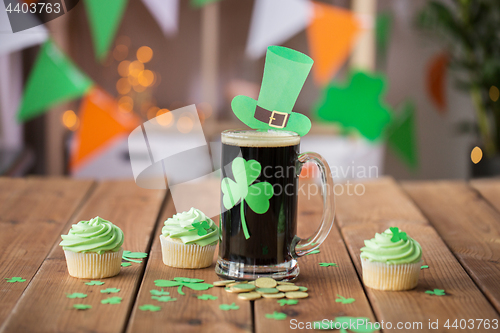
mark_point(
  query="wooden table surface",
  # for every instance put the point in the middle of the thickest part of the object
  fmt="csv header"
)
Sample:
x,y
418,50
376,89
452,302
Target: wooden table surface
x,y
456,222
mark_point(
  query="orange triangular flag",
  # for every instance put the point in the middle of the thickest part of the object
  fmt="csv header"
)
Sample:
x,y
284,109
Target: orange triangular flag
x,y
331,37
436,81
101,123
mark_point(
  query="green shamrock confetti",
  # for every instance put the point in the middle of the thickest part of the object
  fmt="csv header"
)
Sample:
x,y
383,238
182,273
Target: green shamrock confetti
x,y
82,306
353,324
110,290
76,295
94,283
227,307
328,264
397,235
276,315
207,297
284,302
194,284
155,292
437,292
424,266
127,255
164,298
126,264
202,227
240,190
343,300
150,307
302,288
112,300
313,252
15,279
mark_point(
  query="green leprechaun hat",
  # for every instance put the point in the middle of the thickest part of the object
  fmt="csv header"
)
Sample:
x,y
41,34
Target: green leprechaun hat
x,y
285,72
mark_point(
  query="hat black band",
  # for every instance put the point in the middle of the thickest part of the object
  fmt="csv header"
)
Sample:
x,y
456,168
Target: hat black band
x,y
272,118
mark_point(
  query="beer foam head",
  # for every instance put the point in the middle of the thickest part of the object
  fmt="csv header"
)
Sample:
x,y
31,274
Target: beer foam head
x,y
253,138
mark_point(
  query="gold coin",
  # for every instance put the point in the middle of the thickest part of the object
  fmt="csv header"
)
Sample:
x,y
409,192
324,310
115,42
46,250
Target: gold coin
x,y
287,287
243,288
252,282
249,296
222,283
230,290
267,290
286,282
296,294
235,283
265,283
278,295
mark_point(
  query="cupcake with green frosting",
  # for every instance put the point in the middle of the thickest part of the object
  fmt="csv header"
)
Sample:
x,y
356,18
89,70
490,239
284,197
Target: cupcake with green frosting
x,y
391,261
93,249
189,239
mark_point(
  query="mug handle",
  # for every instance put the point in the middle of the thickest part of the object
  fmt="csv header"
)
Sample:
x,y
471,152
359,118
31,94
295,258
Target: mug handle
x,y
301,246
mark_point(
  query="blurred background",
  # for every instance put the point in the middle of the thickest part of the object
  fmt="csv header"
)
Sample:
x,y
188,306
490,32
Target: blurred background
x,y
407,88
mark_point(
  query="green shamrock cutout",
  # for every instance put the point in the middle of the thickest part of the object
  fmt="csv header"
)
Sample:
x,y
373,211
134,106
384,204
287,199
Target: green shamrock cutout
x,y
354,324
328,264
126,264
397,235
343,300
201,227
194,284
276,315
437,292
150,307
241,190
424,266
112,300
155,292
284,302
313,252
15,279
164,298
227,307
127,255
76,295
110,290
207,297
94,283
82,306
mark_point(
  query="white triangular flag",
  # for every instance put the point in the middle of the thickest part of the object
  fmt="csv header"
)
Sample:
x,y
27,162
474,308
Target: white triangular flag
x,y
274,22
166,13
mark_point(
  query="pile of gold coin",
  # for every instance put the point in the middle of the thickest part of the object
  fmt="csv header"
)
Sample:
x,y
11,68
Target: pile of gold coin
x,y
262,287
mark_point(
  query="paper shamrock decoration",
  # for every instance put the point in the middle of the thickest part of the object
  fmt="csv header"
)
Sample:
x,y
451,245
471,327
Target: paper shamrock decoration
x,y
82,306
437,292
424,266
284,302
76,295
276,315
207,297
126,264
15,279
194,284
343,300
164,298
358,105
94,283
328,264
155,292
201,227
112,300
402,135
149,307
353,324
398,235
242,190
127,255
110,290
227,307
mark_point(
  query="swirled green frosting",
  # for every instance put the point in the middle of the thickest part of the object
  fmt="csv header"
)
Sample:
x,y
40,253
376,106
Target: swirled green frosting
x,y
382,249
192,227
96,236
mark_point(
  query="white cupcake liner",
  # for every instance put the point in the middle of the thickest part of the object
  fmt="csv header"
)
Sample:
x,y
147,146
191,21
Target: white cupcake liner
x,y
93,265
180,255
381,276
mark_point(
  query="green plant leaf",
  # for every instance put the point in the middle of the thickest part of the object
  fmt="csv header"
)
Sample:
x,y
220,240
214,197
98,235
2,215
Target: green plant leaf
x,y
159,292
227,307
283,302
110,290
164,298
76,295
82,306
276,315
94,283
15,279
207,297
149,307
112,300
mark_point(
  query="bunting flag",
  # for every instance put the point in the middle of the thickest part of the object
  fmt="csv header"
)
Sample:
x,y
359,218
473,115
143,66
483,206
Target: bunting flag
x,y
101,123
331,35
436,81
201,3
274,22
166,14
53,79
104,18
402,137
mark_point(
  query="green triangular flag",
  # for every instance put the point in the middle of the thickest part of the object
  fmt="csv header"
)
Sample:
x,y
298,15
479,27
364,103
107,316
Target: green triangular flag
x,y
53,79
402,135
104,18
201,3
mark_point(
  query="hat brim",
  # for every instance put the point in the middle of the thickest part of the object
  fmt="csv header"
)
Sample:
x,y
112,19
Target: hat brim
x,y
244,108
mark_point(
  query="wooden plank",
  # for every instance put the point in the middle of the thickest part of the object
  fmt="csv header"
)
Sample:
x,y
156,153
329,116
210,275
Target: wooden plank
x,y
188,313
469,226
44,306
464,299
323,283
33,213
489,189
